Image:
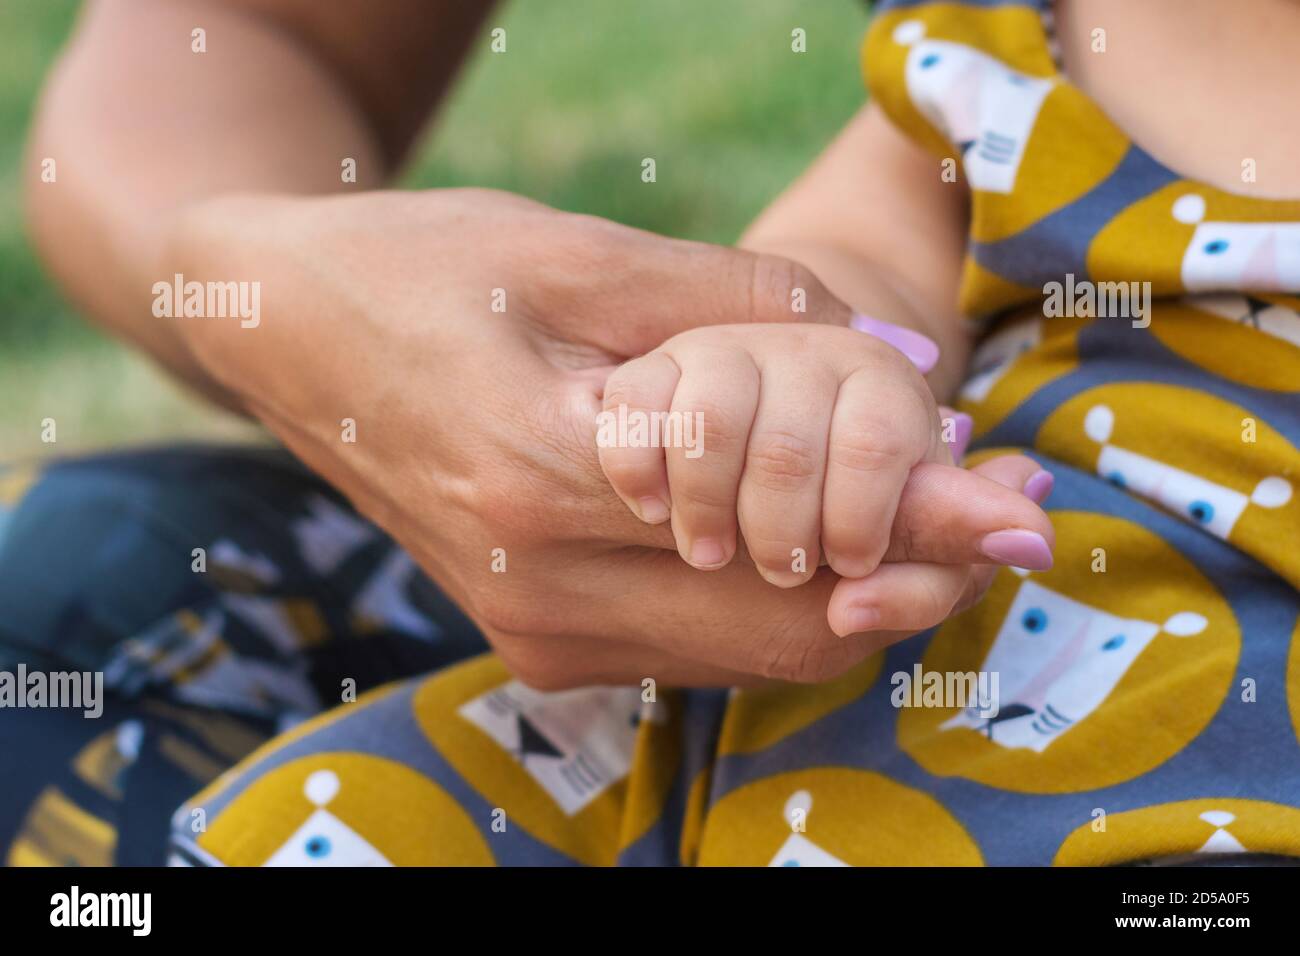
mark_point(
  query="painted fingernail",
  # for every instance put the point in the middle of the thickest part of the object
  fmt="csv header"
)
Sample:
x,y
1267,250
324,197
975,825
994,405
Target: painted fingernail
x,y
1018,548
707,553
859,619
1039,486
963,426
653,510
922,350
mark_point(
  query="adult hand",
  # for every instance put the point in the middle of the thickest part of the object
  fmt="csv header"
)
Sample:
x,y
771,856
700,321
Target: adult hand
x,y
467,336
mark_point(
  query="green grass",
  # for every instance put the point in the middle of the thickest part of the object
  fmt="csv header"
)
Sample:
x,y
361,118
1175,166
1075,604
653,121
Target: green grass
x,y
586,90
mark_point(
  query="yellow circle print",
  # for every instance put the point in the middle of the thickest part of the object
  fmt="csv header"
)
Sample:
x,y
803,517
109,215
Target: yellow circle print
x,y
584,771
1293,679
1253,341
1208,462
1192,829
759,717
1093,672
833,816
344,809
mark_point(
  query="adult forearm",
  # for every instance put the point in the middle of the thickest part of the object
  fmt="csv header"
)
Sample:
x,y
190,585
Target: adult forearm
x,y
141,124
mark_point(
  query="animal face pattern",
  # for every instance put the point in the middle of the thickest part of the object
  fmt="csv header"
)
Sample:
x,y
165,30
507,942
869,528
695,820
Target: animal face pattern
x,y
1253,340
1184,831
1263,256
987,109
832,816
1124,634
1057,660
1221,841
1267,317
1211,506
798,850
997,354
324,839
575,743
334,806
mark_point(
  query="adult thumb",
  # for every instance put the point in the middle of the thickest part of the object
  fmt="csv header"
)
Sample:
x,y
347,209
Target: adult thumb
x,y
649,288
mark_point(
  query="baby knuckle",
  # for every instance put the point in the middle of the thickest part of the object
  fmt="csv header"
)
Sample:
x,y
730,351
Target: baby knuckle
x,y
866,446
719,429
781,461
703,496
627,387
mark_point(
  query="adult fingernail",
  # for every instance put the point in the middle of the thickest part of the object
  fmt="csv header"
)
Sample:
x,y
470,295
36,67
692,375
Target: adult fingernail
x,y
653,510
1039,486
707,553
859,619
963,426
1018,548
921,349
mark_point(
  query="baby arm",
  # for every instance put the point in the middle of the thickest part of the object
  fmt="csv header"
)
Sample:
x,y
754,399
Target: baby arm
x,y
873,219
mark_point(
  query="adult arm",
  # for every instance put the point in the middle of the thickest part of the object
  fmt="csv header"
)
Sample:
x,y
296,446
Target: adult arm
x,y
142,128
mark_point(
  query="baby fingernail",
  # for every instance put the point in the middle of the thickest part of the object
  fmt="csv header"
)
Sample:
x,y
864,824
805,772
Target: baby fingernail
x,y
922,350
859,619
1018,548
963,426
782,579
653,510
707,553
1039,486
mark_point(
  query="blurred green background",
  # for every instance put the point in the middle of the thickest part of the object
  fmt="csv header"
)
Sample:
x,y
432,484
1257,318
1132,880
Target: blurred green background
x,y
585,91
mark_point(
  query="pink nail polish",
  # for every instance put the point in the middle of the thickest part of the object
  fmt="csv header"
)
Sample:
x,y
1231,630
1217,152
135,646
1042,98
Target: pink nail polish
x,y
922,350
1039,486
963,426
1018,548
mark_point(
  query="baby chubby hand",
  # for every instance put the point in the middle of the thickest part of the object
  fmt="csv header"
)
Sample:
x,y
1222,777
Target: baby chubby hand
x,y
801,437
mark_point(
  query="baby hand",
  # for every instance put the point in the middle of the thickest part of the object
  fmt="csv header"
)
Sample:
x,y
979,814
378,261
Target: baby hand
x,y
800,436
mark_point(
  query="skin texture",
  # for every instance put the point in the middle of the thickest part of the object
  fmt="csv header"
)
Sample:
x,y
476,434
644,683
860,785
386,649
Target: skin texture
x,y
808,435
1199,84
474,428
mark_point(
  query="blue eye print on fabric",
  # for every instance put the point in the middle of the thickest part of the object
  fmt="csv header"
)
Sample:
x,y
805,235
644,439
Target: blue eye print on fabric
x,y
317,847
1114,643
1117,479
1201,511
929,60
1215,247
1034,621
